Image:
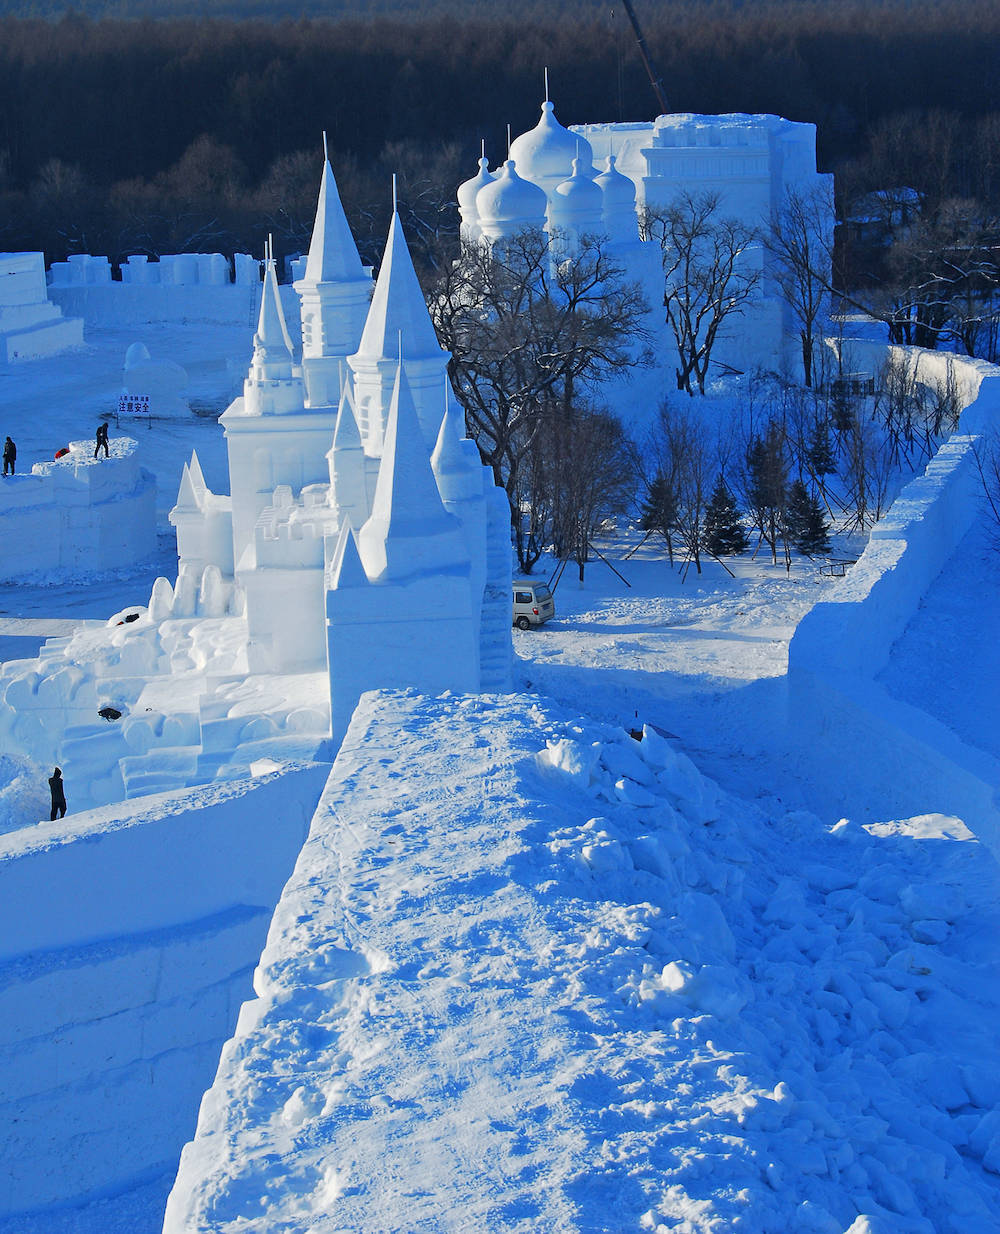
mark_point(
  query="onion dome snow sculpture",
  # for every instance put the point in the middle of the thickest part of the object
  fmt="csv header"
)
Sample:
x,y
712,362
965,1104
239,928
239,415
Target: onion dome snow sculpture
x,y
467,192
545,153
576,206
510,205
618,209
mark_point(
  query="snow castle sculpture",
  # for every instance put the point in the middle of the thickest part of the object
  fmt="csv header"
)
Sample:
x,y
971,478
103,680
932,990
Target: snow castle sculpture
x,y
362,535
751,162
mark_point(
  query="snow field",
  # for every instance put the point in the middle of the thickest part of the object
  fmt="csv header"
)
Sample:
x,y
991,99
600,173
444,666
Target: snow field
x,y
128,937
531,974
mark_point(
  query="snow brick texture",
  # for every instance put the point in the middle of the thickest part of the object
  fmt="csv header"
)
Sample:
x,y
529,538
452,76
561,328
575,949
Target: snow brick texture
x,y
530,974
127,939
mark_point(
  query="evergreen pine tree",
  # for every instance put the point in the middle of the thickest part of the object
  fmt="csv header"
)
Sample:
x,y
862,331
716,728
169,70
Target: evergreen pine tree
x,y
805,524
723,531
819,451
767,487
659,510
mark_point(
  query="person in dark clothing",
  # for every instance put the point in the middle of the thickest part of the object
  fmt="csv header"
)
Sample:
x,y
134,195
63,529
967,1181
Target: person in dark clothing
x,y
58,795
102,440
9,455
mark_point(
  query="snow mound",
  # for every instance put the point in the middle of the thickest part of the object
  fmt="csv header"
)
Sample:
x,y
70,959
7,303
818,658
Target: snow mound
x,y
24,792
532,974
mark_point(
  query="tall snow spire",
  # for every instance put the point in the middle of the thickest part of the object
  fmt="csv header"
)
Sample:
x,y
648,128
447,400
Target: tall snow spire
x,y
335,293
409,531
398,311
398,307
272,346
333,255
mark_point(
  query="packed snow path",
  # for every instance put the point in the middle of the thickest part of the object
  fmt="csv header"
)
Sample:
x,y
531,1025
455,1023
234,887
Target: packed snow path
x,y
531,975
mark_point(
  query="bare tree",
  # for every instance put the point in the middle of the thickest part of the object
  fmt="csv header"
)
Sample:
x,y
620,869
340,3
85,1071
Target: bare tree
x,y
678,450
800,241
526,333
708,276
591,465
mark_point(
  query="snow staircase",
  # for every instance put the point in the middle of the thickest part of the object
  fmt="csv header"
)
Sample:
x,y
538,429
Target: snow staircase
x,y
162,769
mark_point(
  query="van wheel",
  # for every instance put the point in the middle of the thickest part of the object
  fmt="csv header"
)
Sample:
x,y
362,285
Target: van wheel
x,y
523,623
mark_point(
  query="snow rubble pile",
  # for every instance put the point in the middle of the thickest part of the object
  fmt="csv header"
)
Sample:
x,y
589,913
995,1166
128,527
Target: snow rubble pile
x,y
529,973
175,673
127,939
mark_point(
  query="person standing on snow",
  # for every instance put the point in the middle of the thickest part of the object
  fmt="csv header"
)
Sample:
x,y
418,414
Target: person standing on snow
x,y
102,439
9,455
58,795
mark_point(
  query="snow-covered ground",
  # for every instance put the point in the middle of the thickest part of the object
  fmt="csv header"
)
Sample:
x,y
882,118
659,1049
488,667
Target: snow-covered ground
x,y
501,993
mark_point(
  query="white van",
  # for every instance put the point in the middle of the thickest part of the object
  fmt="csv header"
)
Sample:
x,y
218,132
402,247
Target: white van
x,y
533,603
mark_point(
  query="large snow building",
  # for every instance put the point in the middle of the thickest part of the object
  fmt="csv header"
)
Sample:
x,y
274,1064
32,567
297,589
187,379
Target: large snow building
x,y
362,534
599,178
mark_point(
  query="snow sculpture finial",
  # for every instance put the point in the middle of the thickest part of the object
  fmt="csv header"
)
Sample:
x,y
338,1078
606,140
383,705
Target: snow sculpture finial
x,y
398,306
333,254
272,344
546,83
347,569
395,203
326,150
409,531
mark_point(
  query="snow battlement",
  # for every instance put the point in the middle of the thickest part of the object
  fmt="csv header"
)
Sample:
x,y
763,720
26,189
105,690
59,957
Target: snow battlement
x,y
79,512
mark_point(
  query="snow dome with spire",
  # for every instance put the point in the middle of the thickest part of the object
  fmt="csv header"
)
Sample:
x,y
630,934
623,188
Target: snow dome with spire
x,y
545,153
467,192
576,207
618,203
509,205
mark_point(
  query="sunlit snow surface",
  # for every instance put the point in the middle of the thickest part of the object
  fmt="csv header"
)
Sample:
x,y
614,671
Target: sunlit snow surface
x,y
532,975
497,1013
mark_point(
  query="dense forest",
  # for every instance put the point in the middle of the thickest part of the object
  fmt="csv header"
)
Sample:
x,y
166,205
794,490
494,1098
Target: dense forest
x,y
160,132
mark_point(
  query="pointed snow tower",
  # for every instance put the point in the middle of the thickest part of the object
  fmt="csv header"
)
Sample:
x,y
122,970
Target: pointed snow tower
x,y
398,318
203,521
400,605
335,294
264,449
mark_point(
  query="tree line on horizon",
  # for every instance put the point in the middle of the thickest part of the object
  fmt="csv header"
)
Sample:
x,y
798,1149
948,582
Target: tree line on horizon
x,y
121,136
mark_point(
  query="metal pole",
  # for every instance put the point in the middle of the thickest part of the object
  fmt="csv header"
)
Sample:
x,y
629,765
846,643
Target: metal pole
x,y
654,78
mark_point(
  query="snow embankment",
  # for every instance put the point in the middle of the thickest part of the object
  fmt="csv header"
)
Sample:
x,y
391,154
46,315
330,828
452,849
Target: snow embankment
x,y
530,974
853,739
127,939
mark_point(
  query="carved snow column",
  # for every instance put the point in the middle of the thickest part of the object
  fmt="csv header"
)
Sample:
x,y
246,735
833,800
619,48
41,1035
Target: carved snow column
x,y
335,293
400,610
398,322
283,580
